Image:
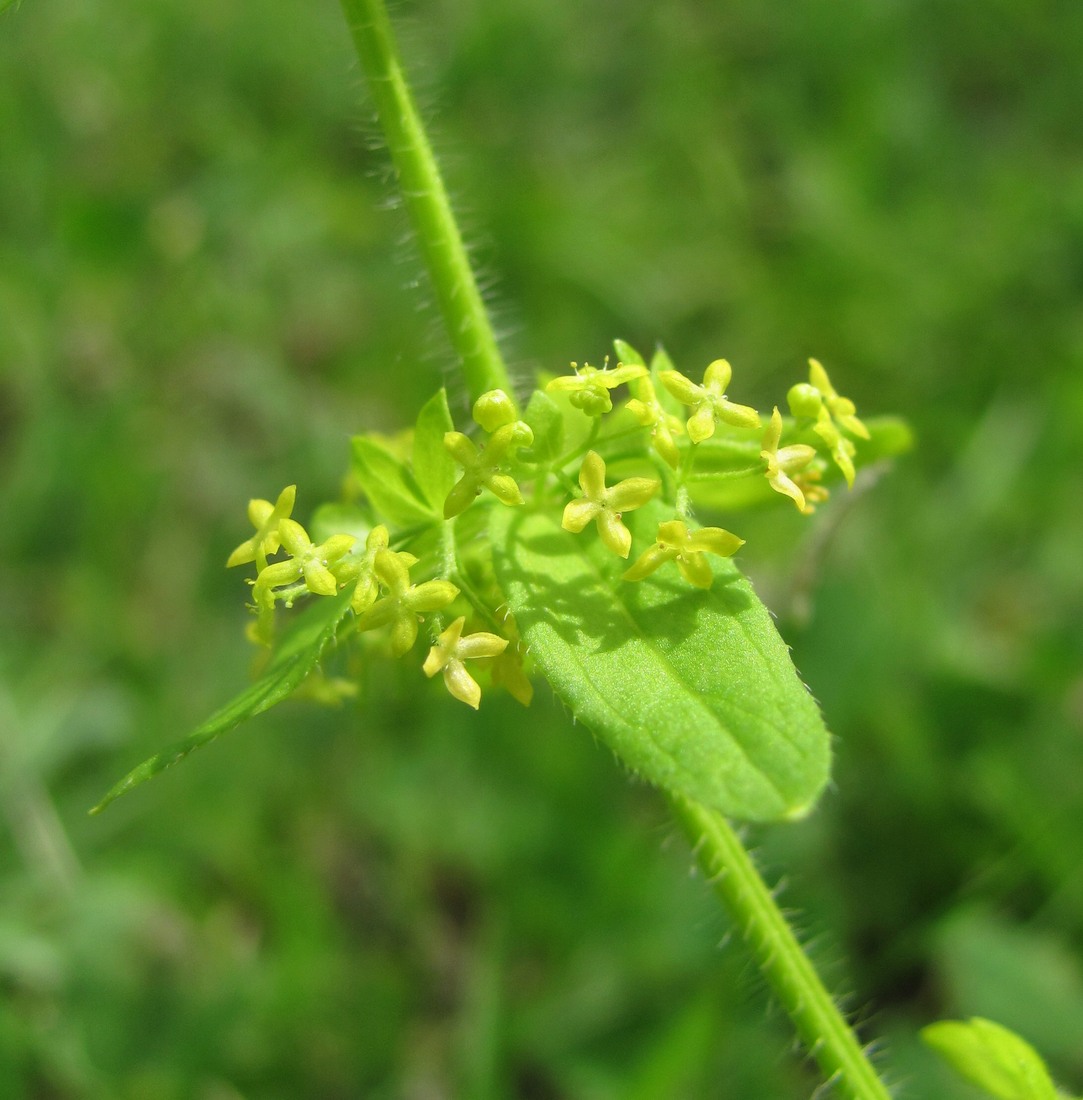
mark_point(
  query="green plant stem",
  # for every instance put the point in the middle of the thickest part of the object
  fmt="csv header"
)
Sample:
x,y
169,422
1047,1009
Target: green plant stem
x,y
725,860
819,1022
426,198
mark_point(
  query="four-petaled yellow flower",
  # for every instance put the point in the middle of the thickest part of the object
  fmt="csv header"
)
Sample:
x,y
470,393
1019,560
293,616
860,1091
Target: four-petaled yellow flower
x,y
781,464
606,505
482,468
588,389
312,563
687,550
449,652
264,516
709,402
648,410
404,601
818,400
363,568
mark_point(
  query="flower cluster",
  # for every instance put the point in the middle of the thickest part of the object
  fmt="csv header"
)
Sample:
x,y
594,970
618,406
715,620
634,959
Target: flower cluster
x,y
383,596
399,585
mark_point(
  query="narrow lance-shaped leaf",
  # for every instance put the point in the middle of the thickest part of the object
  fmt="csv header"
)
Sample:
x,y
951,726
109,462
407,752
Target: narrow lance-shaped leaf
x,y
433,468
547,423
388,484
296,657
694,690
627,354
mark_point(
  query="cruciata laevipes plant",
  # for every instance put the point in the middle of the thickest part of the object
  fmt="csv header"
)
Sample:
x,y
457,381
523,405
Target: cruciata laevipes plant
x,y
558,537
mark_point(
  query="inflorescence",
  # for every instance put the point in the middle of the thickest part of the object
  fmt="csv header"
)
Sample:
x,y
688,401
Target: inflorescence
x,y
394,592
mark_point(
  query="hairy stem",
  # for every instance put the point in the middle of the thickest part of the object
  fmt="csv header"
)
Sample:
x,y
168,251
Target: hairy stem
x,y
819,1022
426,199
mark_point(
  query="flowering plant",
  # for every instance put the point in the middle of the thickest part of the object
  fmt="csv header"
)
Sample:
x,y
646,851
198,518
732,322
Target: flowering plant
x,y
502,546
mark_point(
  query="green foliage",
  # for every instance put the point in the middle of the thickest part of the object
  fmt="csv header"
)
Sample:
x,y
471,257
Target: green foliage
x,y
993,1058
692,690
293,661
689,683
195,312
432,465
387,482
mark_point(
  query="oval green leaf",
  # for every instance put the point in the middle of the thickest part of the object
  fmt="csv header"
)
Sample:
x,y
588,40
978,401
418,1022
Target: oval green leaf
x,y
995,1059
693,690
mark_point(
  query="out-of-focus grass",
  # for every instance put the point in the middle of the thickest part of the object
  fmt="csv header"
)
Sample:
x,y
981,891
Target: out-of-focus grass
x,y
201,297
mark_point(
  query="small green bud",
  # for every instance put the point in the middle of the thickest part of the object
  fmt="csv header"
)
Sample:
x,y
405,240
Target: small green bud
x,y
493,410
805,401
588,389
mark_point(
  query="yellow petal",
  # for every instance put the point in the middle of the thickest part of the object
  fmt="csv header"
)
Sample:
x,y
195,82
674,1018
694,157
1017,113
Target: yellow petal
x,y
632,492
683,389
578,513
403,634
461,684
430,596
319,578
614,534
717,375
480,644
505,489
701,423
695,569
648,562
715,540
592,476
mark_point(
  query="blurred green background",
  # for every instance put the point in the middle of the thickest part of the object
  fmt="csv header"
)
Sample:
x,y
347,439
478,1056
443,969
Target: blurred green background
x,y
204,290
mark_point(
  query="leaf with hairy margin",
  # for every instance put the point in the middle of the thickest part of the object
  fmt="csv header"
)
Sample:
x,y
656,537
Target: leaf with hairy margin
x,y
693,690
296,656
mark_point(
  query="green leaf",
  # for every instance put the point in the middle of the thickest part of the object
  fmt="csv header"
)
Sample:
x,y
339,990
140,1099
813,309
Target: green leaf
x,y
388,484
694,690
627,354
334,518
296,656
547,423
991,1057
888,436
433,466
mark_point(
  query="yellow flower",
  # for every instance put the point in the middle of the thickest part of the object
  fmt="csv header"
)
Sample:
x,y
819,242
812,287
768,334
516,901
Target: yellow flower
x,y
311,563
606,505
589,387
687,550
449,652
404,601
482,468
648,410
264,516
709,402
818,400
781,464
362,567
